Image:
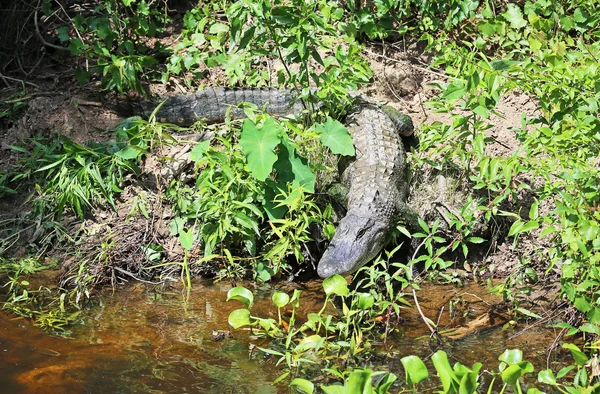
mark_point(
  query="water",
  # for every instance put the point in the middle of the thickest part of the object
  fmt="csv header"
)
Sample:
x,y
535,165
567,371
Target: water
x,y
138,341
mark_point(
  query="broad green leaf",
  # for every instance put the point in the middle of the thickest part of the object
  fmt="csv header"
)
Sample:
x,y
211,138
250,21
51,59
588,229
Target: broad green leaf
x,y
186,238
302,386
280,299
384,384
336,137
359,382
365,300
514,372
239,318
259,147
456,90
334,389
547,376
290,167
512,356
129,152
445,372
580,357
241,294
514,16
335,284
415,369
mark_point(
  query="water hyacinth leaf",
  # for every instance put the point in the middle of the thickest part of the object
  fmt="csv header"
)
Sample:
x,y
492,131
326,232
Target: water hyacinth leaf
x,y
334,389
512,356
302,386
259,147
335,284
415,369
384,384
359,382
445,372
365,301
513,373
547,376
336,137
241,294
280,299
239,318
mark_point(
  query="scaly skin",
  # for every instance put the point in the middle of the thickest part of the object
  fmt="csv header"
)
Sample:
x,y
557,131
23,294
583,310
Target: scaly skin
x,y
211,105
377,189
376,179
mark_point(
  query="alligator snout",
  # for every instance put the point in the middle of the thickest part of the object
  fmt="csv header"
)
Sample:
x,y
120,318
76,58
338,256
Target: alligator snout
x,y
357,240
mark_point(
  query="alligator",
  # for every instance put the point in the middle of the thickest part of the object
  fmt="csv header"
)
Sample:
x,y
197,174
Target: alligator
x,y
376,179
377,188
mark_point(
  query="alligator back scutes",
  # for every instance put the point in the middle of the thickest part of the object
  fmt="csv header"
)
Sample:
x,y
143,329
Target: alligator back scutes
x,y
211,104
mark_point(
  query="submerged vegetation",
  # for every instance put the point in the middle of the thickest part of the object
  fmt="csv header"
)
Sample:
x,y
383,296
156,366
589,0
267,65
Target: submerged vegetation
x,y
252,199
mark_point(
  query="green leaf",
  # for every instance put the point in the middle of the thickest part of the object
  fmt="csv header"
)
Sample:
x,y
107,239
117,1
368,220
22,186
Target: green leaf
x,y
241,294
284,15
239,318
475,240
384,384
259,147
444,371
365,300
336,137
335,284
547,376
334,389
415,369
302,386
527,312
291,167
512,356
280,299
580,357
513,373
63,34
186,239
455,91
248,35
359,382
199,150
129,153
311,342
514,16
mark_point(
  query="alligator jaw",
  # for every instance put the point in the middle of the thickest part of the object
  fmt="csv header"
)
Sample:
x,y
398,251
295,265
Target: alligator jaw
x,y
358,239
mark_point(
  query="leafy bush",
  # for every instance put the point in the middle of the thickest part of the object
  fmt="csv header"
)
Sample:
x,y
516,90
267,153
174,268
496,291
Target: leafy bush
x,y
114,36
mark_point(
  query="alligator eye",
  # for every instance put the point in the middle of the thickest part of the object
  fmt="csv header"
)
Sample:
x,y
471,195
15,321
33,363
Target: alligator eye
x,y
360,233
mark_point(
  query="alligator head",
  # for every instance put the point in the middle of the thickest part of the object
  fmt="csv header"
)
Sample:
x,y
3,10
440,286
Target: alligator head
x,y
357,240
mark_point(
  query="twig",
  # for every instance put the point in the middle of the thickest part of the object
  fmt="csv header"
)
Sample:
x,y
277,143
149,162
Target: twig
x,y
425,320
29,97
121,270
19,80
39,35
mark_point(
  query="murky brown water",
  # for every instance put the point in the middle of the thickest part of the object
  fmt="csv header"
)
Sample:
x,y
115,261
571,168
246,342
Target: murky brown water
x,y
141,342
